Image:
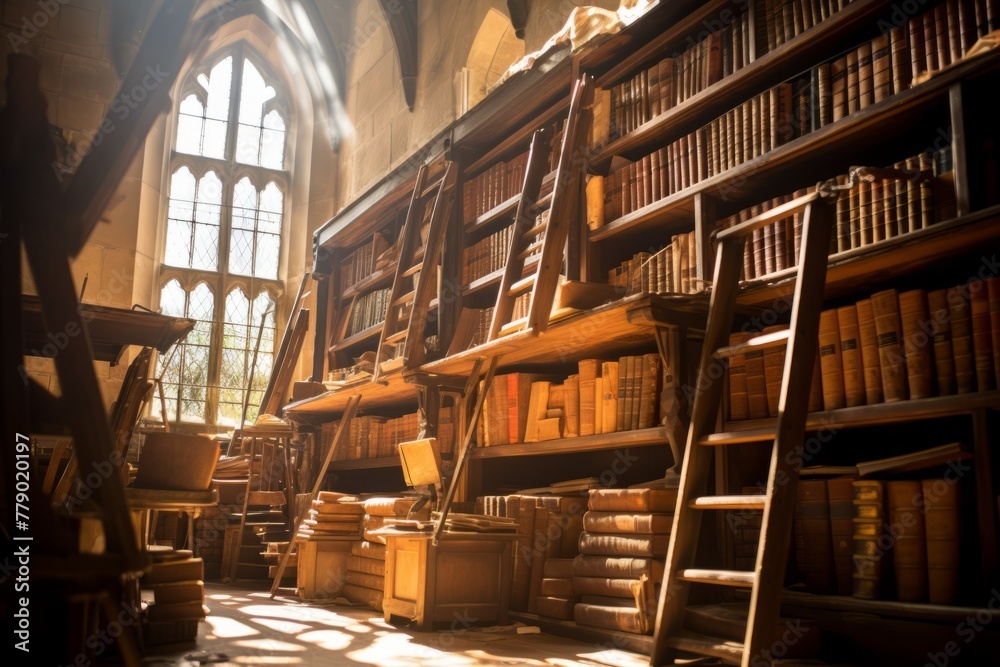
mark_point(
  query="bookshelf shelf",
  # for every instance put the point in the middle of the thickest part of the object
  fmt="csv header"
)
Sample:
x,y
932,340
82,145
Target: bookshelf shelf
x,y
853,269
379,278
825,39
759,430
915,611
390,393
899,112
370,333
367,464
486,220
583,443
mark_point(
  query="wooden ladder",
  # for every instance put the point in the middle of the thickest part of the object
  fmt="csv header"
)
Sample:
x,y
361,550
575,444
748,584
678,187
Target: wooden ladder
x,y
416,278
778,500
547,238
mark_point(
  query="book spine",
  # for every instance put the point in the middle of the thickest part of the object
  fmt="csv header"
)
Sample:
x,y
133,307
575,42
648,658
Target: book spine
x,y
737,375
917,344
909,552
982,339
830,360
870,357
942,521
851,358
885,305
756,385
813,546
940,332
961,340
840,492
869,527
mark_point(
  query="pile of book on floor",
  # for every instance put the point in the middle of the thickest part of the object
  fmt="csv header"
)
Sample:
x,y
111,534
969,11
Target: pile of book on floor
x,y
365,581
622,550
174,593
332,515
549,528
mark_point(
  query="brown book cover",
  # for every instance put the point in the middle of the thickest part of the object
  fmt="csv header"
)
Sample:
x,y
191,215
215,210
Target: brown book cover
x,y
366,565
555,607
572,408
756,385
649,390
940,332
618,522
363,595
558,568
537,405
816,387
852,81
180,611
553,587
888,329
774,366
607,544
865,76
178,592
901,68
632,500
608,587
909,550
961,340
169,572
813,547
737,375
870,359
830,362
373,581
589,368
850,356
917,345
540,544
869,528
916,44
627,378
942,520
982,339
993,291
881,68
609,396
840,494
518,397
838,87
622,619
618,567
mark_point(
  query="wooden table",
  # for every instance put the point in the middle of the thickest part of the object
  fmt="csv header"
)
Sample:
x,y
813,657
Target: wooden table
x,y
464,580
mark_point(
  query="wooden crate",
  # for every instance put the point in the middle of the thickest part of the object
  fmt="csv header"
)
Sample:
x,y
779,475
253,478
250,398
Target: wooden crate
x,y
322,567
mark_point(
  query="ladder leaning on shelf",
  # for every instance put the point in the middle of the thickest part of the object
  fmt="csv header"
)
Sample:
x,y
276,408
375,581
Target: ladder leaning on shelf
x,y
778,500
549,235
416,275
343,428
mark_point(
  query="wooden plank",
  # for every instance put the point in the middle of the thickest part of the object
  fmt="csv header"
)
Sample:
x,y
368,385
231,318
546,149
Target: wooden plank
x,y
283,346
392,391
583,443
282,376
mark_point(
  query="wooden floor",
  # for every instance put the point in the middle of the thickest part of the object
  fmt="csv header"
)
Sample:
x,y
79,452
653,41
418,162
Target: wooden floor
x,y
251,629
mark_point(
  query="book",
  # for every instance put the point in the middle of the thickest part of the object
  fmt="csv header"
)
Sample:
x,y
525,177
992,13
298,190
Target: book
x,y
588,377
909,551
632,500
756,384
925,458
611,544
609,396
830,362
961,340
621,619
852,362
557,587
617,522
840,495
737,375
649,391
917,344
940,333
605,587
870,357
559,568
942,520
982,338
555,607
572,414
869,526
885,305
813,546
617,567
168,572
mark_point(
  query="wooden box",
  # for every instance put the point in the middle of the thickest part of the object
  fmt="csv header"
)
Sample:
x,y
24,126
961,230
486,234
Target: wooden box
x,y
322,567
464,579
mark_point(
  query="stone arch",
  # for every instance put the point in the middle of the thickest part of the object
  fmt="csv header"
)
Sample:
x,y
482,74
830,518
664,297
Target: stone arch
x,y
494,48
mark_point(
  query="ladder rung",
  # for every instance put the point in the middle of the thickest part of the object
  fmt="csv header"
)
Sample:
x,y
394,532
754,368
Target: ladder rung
x,y
531,249
540,227
413,269
403,299
514,325
737,437
541,204
723,649
521,285
745,502
764,342
719,577
393,337
768,217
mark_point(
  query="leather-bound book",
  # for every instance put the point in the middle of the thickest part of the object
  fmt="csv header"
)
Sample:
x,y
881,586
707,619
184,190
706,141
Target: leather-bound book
x,y
737,372
840,493
961,340
555,607
632,500
623,619
888,329
607,587
589,370
619,522
830,361
940,331
618,567
572,408
609,396
850,356
982,339
610,544
917,345
816,387
993,290
909,551
942,520
649,390
900,58
774,366
869,522
813,548
756,385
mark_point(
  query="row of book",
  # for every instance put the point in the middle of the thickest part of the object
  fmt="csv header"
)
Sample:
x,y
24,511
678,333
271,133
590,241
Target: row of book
x,y
869,213
486,255
672,269
890,347
672,80
372,436
604,397
369,310
362,261
879,539
781,20
493,186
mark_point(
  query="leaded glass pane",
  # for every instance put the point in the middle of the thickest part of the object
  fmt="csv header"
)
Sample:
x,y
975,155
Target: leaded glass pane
x,y
190,125
272,141
217,110
254,93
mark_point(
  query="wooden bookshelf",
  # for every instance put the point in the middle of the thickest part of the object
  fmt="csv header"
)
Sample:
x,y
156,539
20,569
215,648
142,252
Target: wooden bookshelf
x,y
379,278
368,334
391,394
584,443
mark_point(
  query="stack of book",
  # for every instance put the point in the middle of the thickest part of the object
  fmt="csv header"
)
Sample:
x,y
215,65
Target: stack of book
x,y
175,595
720,52
369,310
493,186
672,269
620,566
486,255
549,527
891,347
366,566
331,519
